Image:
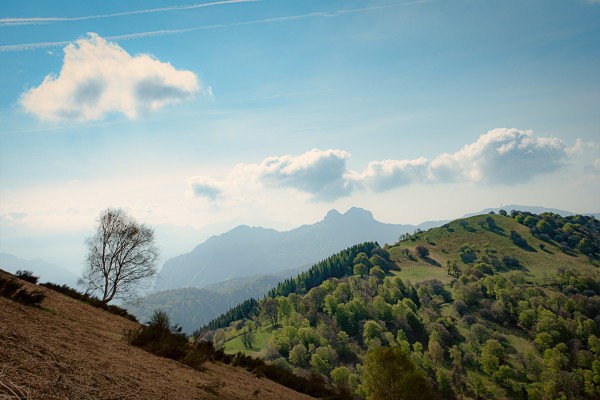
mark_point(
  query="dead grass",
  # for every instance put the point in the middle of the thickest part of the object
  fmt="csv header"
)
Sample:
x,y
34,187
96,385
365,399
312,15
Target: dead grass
x,y
69,350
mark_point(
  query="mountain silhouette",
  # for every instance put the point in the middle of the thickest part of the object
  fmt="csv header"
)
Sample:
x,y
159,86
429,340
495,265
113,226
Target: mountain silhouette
x,y
247,250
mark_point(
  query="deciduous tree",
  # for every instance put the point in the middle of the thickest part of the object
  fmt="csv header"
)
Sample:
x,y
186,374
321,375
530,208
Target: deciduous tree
x,y
121,256
390,374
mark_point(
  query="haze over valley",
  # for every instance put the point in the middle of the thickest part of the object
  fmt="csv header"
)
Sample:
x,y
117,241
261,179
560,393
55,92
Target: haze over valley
x,y
350,200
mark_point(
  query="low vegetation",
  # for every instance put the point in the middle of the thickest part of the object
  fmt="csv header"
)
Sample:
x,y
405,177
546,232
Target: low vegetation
x,y
163,339
89,299
12,289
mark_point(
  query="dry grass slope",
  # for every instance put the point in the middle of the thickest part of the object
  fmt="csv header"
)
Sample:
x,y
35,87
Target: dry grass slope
x,y
69,350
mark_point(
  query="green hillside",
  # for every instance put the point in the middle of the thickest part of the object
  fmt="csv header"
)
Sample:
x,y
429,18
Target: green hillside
x,y
444,244
491,306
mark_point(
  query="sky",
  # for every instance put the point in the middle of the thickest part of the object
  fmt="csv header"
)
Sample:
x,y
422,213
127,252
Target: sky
x,y
272,112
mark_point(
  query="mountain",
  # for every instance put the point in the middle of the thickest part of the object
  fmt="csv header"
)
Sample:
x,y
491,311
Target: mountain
x,y
510,301
46,271
192,308
246,250
69,350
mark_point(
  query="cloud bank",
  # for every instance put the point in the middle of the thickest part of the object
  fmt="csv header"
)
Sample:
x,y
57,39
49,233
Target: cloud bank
x,y
99,77
499,157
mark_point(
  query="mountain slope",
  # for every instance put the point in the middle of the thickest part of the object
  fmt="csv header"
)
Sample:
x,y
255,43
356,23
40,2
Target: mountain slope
x,y
516,316
248,250
70,350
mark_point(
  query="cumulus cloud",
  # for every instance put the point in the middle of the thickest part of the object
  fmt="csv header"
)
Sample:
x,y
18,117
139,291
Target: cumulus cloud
x,y
380,176
318,172
501,156
99,77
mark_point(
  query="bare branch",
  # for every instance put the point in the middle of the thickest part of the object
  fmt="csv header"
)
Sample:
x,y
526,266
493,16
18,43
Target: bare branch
x,y
121,255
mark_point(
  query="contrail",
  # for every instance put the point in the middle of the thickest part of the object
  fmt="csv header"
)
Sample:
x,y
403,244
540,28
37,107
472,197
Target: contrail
x,y
38,20
162,32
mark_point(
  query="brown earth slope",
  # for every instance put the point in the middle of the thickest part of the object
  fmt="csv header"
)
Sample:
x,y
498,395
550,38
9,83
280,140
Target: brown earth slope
x,y
69,350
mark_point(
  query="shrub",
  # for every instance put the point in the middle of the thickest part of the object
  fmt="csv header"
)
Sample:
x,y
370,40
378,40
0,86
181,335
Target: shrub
x,y
558,238
422,251
27,276
314,386
160,338
8,287
460,307
511,262
30,298
467,254
517,239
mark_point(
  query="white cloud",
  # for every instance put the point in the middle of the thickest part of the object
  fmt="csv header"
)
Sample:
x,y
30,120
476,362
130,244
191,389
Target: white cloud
x,y
501,156
580,146
99,77
380,176
318,172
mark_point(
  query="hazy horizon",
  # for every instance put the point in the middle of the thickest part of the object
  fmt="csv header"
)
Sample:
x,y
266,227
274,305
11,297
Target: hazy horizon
x,y
271,113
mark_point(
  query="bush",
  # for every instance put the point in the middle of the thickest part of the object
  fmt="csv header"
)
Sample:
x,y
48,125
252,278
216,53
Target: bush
x,y
511,262
460,307
422,251
517,239
160,338
27,276
11,288
545,237
30,298
315,386
467,254
8,287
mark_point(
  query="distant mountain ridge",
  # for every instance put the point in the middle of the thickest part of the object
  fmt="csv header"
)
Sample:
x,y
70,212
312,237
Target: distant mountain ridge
x,y
46,271
247,250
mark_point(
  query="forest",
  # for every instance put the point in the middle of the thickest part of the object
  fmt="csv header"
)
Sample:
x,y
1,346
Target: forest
x,y
493,306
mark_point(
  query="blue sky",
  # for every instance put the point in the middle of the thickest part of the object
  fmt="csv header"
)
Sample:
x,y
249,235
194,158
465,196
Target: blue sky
x,y
273,112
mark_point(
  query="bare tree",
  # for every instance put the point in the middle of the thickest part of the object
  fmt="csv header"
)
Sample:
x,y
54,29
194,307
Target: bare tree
x,y
121,255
